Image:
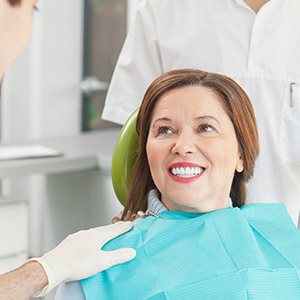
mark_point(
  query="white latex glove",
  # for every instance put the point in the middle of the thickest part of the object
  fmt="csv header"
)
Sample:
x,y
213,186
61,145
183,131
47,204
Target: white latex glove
x,y
80,255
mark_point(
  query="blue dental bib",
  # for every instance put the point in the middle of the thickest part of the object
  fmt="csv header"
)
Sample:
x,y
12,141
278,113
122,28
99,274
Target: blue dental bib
x,y
247,253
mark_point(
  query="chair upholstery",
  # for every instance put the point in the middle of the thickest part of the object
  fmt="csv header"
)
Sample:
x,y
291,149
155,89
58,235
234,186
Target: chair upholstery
x,y
123,158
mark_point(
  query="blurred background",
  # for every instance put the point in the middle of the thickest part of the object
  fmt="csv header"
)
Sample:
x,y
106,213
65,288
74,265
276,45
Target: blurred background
x,y
54,90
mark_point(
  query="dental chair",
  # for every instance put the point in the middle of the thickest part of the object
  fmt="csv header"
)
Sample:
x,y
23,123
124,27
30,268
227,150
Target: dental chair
x,y
123,158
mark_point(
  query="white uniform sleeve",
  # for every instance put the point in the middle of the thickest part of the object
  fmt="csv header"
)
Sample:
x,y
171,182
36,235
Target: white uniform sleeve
x,y
138,65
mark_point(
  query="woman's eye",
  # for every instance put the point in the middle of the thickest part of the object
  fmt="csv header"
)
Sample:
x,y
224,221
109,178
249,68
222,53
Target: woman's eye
x,y
164,130
206,128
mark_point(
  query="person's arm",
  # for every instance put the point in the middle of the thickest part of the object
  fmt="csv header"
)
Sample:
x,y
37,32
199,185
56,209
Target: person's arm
x,y
23,282
139,63
78,256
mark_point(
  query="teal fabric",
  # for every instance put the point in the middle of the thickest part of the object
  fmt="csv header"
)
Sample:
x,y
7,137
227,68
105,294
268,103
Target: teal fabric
x,y
247,253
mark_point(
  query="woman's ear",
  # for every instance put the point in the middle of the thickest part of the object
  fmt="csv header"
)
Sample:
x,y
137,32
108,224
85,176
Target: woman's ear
x,y
240,165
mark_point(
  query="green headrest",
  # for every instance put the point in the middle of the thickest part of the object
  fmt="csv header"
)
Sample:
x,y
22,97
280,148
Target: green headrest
x,y
123,158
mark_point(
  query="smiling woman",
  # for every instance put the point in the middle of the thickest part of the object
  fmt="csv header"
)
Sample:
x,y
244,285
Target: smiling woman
x,y
199,99
192,150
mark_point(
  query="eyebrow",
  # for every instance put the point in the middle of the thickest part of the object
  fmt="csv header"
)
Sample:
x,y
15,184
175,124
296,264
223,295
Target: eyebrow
x,y
165,119
205,117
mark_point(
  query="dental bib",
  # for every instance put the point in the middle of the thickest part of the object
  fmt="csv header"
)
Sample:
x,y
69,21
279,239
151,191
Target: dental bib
x,y
249,253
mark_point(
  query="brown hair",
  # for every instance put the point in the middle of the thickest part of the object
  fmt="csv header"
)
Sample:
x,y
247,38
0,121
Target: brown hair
x,y
14,2
235,103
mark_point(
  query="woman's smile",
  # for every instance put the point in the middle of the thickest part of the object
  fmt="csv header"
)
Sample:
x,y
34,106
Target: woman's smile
x,y
185,172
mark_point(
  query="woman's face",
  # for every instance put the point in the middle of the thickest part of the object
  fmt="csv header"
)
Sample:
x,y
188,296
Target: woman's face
x,y
15,28
192,150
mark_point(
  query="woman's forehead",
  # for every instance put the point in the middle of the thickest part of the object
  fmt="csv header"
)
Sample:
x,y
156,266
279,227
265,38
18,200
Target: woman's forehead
x,y
191,100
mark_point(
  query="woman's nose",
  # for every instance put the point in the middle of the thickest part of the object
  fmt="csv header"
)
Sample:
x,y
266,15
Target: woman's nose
x,y
184,144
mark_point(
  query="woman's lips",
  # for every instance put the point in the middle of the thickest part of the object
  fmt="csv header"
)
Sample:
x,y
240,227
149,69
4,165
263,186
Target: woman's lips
x,y
185,172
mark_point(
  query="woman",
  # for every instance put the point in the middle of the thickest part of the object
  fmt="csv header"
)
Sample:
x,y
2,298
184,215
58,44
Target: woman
x,y
197,148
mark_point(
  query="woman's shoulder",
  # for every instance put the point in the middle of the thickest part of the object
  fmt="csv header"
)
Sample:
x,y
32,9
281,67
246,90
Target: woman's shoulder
x,y
275,213
132,238
273,223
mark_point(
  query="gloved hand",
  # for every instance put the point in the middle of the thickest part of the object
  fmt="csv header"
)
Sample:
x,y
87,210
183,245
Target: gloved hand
x,y
80,255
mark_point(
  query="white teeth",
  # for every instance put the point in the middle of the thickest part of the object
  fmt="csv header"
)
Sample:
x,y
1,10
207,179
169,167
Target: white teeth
x,y
186,172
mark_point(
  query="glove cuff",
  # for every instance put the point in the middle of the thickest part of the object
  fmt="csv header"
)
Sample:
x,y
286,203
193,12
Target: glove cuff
x,y
52,283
